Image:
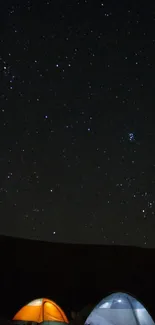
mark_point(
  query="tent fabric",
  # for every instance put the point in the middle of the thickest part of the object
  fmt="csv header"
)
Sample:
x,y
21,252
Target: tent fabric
x,y
20,322
52,323
41,310
119,309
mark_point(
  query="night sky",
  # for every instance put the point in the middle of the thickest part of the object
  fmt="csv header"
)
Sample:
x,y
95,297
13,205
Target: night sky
x,y
77,116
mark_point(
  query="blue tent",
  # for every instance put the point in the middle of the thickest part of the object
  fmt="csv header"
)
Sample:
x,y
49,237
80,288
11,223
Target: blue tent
x,y
119,309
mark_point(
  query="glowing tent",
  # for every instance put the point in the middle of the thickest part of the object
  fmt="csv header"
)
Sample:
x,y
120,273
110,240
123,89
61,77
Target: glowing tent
x,y
119,309
41,311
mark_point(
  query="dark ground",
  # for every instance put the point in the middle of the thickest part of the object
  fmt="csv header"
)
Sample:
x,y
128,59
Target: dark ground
x,y
72,275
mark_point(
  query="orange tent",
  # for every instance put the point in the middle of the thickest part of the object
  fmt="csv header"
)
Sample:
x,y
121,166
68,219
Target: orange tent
x,y
41,310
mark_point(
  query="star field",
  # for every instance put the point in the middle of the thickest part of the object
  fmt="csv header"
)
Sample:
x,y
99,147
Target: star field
x,y
77,160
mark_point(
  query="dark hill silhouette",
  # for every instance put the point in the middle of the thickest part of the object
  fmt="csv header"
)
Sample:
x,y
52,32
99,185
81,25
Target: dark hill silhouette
x,y
72,275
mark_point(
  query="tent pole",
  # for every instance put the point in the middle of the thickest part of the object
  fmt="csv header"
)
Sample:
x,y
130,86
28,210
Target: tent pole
x,y
137,321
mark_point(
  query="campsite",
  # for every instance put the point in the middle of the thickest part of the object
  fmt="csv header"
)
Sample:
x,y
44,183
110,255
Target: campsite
x,y
73,276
